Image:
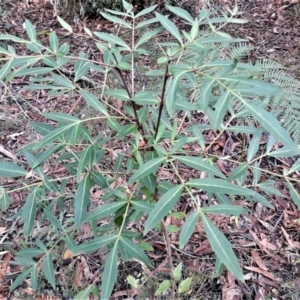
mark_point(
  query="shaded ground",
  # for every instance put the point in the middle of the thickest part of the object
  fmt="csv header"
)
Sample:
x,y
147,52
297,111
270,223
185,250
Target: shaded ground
x,y
266,241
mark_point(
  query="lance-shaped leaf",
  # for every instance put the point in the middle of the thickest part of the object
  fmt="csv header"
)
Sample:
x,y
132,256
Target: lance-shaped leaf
x,y
163,206
272,125
169,26
61,117
118,94
84,294
142,206
20,279
127,129
5,69
48,269
199,164
254,144
222,248
29,212
226,209
112,39
218,186
220,110
96,243
8,169
148,35
105,210
205,94
86,160
149,167
172,90
294,194
53,135
64,24
93,101
181,13
188,228
116,20
261,199
110,273
238,172
4,199
143,98
134,250
82,200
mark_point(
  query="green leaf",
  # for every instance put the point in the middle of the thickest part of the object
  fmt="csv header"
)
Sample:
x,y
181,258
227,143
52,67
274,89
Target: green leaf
x,y
113,124
218,186
222,248
205,94
134,250
294,194
8,169
185,285
238,172
116,20
112,39
163,206
19,280
63,81
188,229
5,69
30,30
270,189
98,178
164,286
148,35
48,269
220,110
34,277
143,98
254,144
29,212
105,210
61,117
172,90
54,42
260,198
149,167
110,273
126,130
30,252
146,11
53,135
177,272
199,164
84,294
145,246
118,94
272,125
82,200
93,101
295,167
4,199
169,26
96,244
143,206
226,209
131,280
181,13
149,182
86,160
51,217
64,24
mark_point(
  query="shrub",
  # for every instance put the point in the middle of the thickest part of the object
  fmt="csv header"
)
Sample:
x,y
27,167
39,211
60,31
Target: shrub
x,y
194,74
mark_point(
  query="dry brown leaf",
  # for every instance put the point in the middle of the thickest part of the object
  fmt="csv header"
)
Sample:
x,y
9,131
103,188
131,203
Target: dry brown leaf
x,y
258,260
261,271
289,240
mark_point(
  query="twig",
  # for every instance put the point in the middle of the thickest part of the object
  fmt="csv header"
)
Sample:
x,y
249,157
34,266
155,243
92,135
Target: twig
x,y
168,245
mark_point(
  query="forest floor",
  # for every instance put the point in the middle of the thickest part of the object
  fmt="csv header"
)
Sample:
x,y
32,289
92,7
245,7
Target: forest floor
x,y
265,241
